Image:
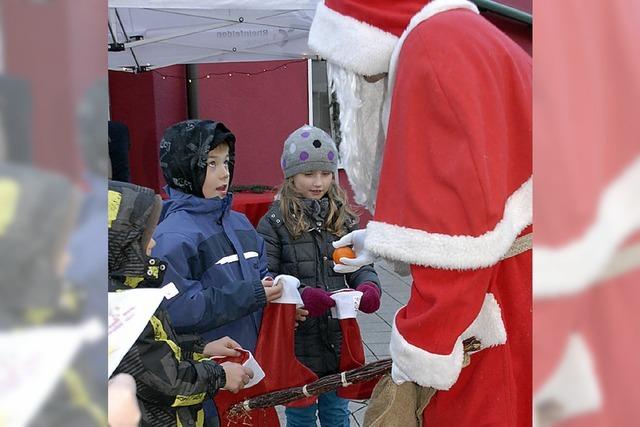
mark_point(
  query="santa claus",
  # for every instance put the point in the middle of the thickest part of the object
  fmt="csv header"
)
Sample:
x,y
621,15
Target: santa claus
x,y
435,115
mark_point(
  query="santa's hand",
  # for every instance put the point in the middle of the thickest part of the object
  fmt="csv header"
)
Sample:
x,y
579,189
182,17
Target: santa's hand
x,y
355,239
345,269
363,256
349,265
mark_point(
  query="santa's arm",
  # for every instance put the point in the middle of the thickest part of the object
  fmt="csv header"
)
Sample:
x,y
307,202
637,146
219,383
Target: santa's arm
x,y
445,308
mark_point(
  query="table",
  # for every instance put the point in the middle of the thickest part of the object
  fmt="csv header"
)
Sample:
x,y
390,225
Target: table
x,y
253,205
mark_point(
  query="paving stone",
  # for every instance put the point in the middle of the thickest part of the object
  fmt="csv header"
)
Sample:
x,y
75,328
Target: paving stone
x,y
377,337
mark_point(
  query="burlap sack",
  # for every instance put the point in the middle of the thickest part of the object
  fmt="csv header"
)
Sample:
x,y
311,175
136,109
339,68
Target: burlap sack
x,y
397,405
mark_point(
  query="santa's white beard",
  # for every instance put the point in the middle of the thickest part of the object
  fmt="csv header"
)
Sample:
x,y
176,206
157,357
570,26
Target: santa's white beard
x,y
362,143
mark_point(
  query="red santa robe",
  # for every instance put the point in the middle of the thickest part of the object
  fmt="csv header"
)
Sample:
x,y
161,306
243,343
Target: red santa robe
x,y
455,194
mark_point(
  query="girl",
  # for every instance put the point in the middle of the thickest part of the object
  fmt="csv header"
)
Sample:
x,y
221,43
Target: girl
x,y
311,212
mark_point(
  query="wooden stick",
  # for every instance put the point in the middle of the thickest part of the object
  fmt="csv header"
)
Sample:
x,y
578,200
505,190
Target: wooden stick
x,y
328,383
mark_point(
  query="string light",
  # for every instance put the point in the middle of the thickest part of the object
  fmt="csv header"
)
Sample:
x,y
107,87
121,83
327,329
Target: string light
x,y
228,73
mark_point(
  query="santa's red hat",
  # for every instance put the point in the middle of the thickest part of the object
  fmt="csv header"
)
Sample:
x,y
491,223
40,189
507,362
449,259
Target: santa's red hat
x,y
360,35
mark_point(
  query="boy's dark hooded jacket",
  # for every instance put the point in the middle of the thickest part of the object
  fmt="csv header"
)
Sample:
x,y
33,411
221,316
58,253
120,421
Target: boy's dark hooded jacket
x,y
214,255
172,378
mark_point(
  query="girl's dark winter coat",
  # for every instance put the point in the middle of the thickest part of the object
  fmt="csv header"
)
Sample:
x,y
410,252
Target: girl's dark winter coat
x,y
309,258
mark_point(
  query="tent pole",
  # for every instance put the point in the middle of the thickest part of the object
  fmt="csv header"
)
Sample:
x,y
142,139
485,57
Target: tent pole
x,y
310,90
192,91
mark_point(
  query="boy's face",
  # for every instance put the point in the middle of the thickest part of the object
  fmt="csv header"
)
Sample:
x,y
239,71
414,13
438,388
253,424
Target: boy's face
x,y
216,181
313,185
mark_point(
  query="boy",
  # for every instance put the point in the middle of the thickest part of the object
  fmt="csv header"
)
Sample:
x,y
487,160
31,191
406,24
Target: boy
x,y
173,377
215,257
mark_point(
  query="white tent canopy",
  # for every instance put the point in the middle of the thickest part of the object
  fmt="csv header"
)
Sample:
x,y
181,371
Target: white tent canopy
x,y
159,33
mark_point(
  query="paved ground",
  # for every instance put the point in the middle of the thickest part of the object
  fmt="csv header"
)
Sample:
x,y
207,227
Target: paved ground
x,y
376,328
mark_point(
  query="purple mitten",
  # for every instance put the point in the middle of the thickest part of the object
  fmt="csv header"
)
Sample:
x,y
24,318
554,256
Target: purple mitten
x,y
316,301
370,301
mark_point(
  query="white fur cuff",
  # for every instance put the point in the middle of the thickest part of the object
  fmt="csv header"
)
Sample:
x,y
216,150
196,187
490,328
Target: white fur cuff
x,y
488,326
412,363
460,252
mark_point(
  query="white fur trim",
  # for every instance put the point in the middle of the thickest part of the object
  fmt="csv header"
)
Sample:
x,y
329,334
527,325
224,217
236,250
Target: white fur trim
x,y
352,44
488,326
574,384
441,371
454,252
585,261
431,9
412,364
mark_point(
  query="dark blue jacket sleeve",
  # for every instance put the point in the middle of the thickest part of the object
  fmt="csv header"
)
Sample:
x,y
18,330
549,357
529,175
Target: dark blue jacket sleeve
x,y
199,308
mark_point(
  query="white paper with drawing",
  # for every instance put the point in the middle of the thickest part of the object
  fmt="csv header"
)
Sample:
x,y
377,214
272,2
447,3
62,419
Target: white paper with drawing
x,y
129,312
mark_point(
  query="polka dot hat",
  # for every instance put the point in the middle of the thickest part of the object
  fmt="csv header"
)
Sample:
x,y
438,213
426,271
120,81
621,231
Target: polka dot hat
x,y
309,149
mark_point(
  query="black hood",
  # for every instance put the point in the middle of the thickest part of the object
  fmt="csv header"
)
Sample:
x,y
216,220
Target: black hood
x,y
133,214
184,149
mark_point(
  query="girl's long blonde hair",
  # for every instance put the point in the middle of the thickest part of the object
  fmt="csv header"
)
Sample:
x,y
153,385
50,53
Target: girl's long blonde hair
x,y
339,213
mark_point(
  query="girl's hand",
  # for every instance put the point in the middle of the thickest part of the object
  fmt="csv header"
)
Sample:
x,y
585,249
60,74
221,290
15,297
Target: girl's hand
x,y
317,301
370,301
222,347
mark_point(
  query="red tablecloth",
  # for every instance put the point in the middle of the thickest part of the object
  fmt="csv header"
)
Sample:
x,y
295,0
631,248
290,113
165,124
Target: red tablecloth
x,y
253,205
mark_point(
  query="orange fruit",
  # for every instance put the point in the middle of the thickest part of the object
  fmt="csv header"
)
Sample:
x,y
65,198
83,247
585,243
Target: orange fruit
x,y
343,252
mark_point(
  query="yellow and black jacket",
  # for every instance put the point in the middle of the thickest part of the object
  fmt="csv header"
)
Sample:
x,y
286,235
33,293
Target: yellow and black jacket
x,y
172,380
171,376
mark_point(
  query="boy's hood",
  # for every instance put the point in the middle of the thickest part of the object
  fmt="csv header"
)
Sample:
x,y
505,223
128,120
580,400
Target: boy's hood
x,y
133,213
184,150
